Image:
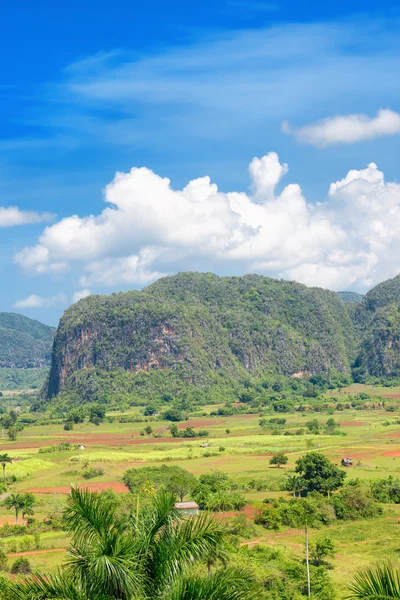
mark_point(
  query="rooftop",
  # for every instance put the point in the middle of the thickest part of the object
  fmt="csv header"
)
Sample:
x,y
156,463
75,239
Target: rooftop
x,y
186,505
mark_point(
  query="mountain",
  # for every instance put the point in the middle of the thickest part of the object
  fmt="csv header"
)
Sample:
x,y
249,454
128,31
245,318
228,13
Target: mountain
x,y
378,317
350,297
198,330
24,343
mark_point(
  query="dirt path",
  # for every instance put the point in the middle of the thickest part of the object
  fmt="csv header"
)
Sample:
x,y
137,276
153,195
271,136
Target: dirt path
x,y
35,552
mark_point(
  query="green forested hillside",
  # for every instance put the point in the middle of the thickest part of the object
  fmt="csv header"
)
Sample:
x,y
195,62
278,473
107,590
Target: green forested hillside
x,y
378,318
202,331
350,297
24,343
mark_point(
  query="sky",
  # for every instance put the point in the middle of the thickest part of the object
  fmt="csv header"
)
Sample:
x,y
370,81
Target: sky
x,y
138,140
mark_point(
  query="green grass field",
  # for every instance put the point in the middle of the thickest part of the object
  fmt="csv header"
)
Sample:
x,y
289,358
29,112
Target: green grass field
x,y
372,439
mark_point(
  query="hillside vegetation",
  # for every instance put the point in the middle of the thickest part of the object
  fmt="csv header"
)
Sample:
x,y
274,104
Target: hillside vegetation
x,y
202,331
205,335
24,343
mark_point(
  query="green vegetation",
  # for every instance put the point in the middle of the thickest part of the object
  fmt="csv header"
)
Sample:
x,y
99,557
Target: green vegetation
x,y
150,555
24,343
201,336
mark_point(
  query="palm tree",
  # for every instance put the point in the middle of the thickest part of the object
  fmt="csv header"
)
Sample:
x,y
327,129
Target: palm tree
x,y
376,583
27,504
15,501
142,557
4,459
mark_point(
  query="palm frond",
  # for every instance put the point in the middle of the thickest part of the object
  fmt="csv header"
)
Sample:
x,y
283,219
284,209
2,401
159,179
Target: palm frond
x,y
89,516
230,584
51,587
376,583
193,539
112,567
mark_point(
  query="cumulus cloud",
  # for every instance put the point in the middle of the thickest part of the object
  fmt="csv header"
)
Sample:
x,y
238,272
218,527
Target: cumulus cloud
x,y
34,301
12,216
348,240
346,129
80,294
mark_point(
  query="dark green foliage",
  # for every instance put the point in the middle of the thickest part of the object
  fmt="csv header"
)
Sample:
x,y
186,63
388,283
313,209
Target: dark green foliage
x,y
3,561
217,492
323,549
355,502
319,474
97,414
21,566
279,459
173,414
92,472
386,490
351,503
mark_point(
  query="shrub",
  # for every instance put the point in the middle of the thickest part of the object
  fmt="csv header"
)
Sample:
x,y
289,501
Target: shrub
x,y
93,472
3,560
21,566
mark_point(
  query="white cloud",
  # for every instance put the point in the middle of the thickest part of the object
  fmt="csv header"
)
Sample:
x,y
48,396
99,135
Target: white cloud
x,y
346,129
80,294
34,301
349,240
12,216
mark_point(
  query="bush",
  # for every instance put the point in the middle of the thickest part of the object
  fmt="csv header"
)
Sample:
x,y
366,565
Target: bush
x,y
93,472
3,560
21,566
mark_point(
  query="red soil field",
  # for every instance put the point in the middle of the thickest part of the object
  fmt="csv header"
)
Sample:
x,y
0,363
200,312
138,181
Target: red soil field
x,y
392,453
116,486
352,423
103,439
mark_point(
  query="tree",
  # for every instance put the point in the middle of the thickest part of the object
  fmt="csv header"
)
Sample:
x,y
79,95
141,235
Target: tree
x,y
279,459
181,482
145,556
97,414
27,502
12,433
174,430
4,460
324,548
14,501
294,484
319,474
376,583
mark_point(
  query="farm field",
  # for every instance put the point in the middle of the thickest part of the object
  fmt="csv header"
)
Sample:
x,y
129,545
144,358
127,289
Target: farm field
x,y
238,446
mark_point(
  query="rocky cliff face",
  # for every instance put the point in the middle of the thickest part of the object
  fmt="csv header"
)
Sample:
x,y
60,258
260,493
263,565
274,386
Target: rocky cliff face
x,y
201,328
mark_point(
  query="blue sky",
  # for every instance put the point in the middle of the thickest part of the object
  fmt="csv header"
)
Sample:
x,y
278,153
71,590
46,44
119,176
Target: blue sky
x,y
191,90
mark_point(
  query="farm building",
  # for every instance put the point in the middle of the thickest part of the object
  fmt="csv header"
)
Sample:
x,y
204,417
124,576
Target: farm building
x,y
187,508
347,462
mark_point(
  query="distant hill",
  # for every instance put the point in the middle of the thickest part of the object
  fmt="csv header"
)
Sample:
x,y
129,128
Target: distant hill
x,y
350,297
24,343
378,317
199,330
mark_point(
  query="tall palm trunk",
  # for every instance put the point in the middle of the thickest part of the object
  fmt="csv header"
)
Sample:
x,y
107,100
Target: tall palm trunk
x,y
4,473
